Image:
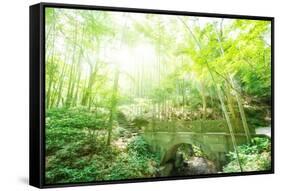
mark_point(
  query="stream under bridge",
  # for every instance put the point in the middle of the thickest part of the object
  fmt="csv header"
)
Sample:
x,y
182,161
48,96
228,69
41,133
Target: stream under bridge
x,y
212,136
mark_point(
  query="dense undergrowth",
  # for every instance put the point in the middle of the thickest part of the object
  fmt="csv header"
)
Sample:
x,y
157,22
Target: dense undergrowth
x,y
255,156
77,151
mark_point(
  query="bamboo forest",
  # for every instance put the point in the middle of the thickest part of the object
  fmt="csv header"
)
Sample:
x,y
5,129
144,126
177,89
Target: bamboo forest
x,y
139,95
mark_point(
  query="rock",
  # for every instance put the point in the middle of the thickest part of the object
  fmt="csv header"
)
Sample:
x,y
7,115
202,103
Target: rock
x,y
193,166
263,131
139,122
199,165
165,170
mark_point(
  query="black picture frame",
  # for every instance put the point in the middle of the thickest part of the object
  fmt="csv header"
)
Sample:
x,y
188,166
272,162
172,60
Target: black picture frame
x,y
37,92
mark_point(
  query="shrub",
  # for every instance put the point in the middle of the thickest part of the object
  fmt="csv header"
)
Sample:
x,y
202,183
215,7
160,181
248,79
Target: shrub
x,y
77,117
138,162
76,152
69,125
139,145
255,156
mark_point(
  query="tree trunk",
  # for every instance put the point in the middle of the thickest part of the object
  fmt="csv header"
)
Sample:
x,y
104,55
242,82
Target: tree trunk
x,y
51,75
242,113
229,126
113,105
204,101
218,90
69,95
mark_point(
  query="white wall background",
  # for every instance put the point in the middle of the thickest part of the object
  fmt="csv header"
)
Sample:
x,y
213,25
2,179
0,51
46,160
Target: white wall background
x,y
14,51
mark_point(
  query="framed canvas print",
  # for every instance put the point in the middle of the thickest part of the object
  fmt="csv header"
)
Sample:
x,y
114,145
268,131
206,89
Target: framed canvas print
x,y
126,95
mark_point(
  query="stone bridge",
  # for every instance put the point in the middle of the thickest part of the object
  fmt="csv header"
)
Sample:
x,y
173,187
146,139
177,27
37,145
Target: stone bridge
x,y
211,136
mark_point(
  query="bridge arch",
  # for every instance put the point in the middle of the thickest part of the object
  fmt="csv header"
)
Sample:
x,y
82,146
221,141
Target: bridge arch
x,y
170,152
211,136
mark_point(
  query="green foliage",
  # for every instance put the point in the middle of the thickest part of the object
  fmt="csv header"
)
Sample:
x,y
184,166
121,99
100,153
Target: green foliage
x,y
78,117
89,159
111,76
138,162
78,161
139,145
255,156
69,125
76,152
